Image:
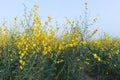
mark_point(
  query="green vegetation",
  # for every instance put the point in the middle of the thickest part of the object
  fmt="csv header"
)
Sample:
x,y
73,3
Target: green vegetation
x,y
32,50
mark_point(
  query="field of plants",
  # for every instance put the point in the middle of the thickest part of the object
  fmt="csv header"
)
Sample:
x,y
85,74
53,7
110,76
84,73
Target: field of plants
x,y
31,49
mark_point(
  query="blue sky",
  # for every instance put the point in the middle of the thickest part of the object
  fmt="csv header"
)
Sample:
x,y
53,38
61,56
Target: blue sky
x,y
107,11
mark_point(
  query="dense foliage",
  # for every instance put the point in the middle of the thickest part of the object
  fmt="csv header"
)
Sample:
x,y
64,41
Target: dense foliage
x,y
36,50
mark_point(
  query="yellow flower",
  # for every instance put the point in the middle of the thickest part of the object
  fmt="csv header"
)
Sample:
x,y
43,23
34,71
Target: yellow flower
x,y
95,55
26,48
24,21
21,62
87,62
66,33
61,47
49,49
99,59
36,7
34,45
46,23
49,18
63,42
84,43
59,61
38,35
57,29
71,45
36,19
22,39
72,40
35,28
21,67
15,25
22,55
45,52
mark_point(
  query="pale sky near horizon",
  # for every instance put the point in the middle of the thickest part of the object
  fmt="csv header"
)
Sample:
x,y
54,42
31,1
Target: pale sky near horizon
x,y
107,11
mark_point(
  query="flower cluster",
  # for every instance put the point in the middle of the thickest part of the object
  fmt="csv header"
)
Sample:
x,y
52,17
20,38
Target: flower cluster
x,y
35,46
